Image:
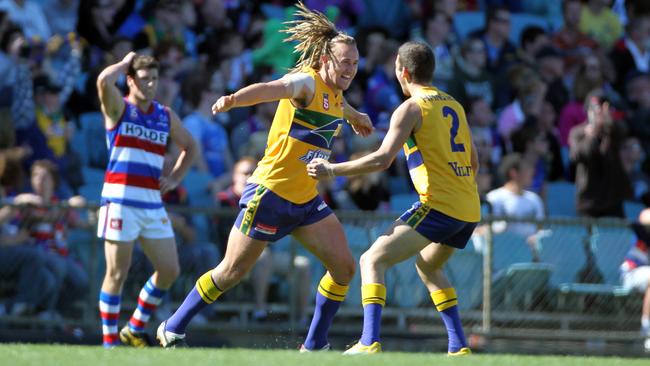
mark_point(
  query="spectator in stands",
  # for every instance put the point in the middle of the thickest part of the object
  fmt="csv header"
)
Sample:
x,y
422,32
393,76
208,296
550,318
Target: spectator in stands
x,y
550,67
28,15
471,79
635,271
48,228
100,20
482,121
513,200
599,22
632,52
574,44
348,10
632,156
201,90
500,52
601,182
22,264
638,97
61,15
532,144
437,30
532,40
382,93
53,124
368,192
530,91
546,124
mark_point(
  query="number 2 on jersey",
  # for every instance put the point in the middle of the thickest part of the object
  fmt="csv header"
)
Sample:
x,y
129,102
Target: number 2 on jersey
x,y
446,112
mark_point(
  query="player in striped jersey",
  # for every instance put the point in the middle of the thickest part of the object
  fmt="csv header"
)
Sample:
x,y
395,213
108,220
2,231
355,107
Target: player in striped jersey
x,y
431,128
137,131
280,198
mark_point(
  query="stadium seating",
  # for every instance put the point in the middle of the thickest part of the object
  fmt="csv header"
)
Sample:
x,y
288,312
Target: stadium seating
x,y
633,209
402,202
561,199
94,134
465,272
197,185
563,247
516,279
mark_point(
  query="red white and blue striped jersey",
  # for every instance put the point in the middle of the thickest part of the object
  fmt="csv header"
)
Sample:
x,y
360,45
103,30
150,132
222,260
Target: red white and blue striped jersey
x,y
639,255
136,150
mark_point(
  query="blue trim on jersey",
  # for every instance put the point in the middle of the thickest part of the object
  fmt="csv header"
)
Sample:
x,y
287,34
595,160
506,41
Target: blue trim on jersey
x,y
131,203
414,160
133,168
304,134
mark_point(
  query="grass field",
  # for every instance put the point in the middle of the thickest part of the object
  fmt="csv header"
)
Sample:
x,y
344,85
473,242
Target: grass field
x,y
47,355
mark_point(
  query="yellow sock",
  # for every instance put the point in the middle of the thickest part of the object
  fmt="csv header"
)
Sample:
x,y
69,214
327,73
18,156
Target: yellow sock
x,y
207,289
445,298
373,293
332,290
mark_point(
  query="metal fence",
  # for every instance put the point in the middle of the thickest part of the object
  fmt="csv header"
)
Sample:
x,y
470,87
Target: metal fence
x,y
563,284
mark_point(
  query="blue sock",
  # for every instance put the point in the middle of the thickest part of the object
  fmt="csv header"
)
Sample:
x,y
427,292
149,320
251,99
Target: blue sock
x,y
371,324
192,304
324,312
451,318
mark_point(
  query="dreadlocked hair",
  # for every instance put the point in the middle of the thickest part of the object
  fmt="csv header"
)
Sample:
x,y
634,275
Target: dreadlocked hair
x,y
315,35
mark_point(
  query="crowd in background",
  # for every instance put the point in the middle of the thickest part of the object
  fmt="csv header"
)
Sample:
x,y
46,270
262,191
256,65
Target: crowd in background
x,y
523,95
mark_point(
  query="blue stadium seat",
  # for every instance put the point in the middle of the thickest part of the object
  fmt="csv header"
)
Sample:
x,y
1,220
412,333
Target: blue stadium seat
x,y
633,209
609,245
465,272
509,248
92,130
561,199
519,22
398,185
93,176
563,247
404,287
402,202
359,240
197,185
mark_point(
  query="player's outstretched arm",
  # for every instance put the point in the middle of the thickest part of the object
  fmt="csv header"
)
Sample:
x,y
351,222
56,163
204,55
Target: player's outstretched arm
x,y
253,94
189,151
110,96
402,123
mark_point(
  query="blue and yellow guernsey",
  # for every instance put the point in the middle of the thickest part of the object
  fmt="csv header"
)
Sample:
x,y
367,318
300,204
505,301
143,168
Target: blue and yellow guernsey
x,y
438,156
297,136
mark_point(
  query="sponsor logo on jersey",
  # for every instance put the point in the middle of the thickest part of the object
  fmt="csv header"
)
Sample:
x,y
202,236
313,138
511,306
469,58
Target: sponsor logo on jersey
x,y
315,154
459,170
133,130
266,229
326,102
321,206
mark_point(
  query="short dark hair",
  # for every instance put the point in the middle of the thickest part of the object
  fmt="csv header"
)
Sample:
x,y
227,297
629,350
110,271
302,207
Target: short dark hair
x,y
508,163
530,34
142,63
419,61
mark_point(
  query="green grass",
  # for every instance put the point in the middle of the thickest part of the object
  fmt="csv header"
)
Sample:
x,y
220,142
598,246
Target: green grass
x,y
41,355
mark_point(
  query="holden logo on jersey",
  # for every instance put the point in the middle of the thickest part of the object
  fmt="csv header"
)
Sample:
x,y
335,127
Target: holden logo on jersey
x,y
326,102
328,131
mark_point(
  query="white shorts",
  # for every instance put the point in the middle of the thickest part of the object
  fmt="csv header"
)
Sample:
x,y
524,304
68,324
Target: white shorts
x,y
124,223
637,279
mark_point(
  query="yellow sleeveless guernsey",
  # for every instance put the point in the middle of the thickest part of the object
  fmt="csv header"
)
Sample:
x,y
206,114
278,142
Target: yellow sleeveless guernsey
x,y
297,136
438,156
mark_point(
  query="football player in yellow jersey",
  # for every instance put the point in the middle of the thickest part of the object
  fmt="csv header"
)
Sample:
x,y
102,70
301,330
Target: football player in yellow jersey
x,y
432,129
280,198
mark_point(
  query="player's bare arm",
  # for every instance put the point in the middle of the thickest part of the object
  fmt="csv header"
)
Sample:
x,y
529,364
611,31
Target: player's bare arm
x,y
109,95
254,94
186,143
360,122
406,119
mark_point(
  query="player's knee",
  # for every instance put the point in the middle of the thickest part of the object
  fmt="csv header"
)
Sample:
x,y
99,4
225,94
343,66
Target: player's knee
x,y
344,271
170,272
116,276
370,259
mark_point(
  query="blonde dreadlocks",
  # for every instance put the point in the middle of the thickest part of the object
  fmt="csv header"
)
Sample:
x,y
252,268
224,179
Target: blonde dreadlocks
x,y
315,35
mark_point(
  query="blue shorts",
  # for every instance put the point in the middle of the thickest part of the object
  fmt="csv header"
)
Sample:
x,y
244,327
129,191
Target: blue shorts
x,y
269,217
438,227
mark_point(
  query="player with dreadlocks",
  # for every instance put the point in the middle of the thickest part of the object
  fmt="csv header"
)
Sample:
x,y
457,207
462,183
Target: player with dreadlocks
x,y
280,198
